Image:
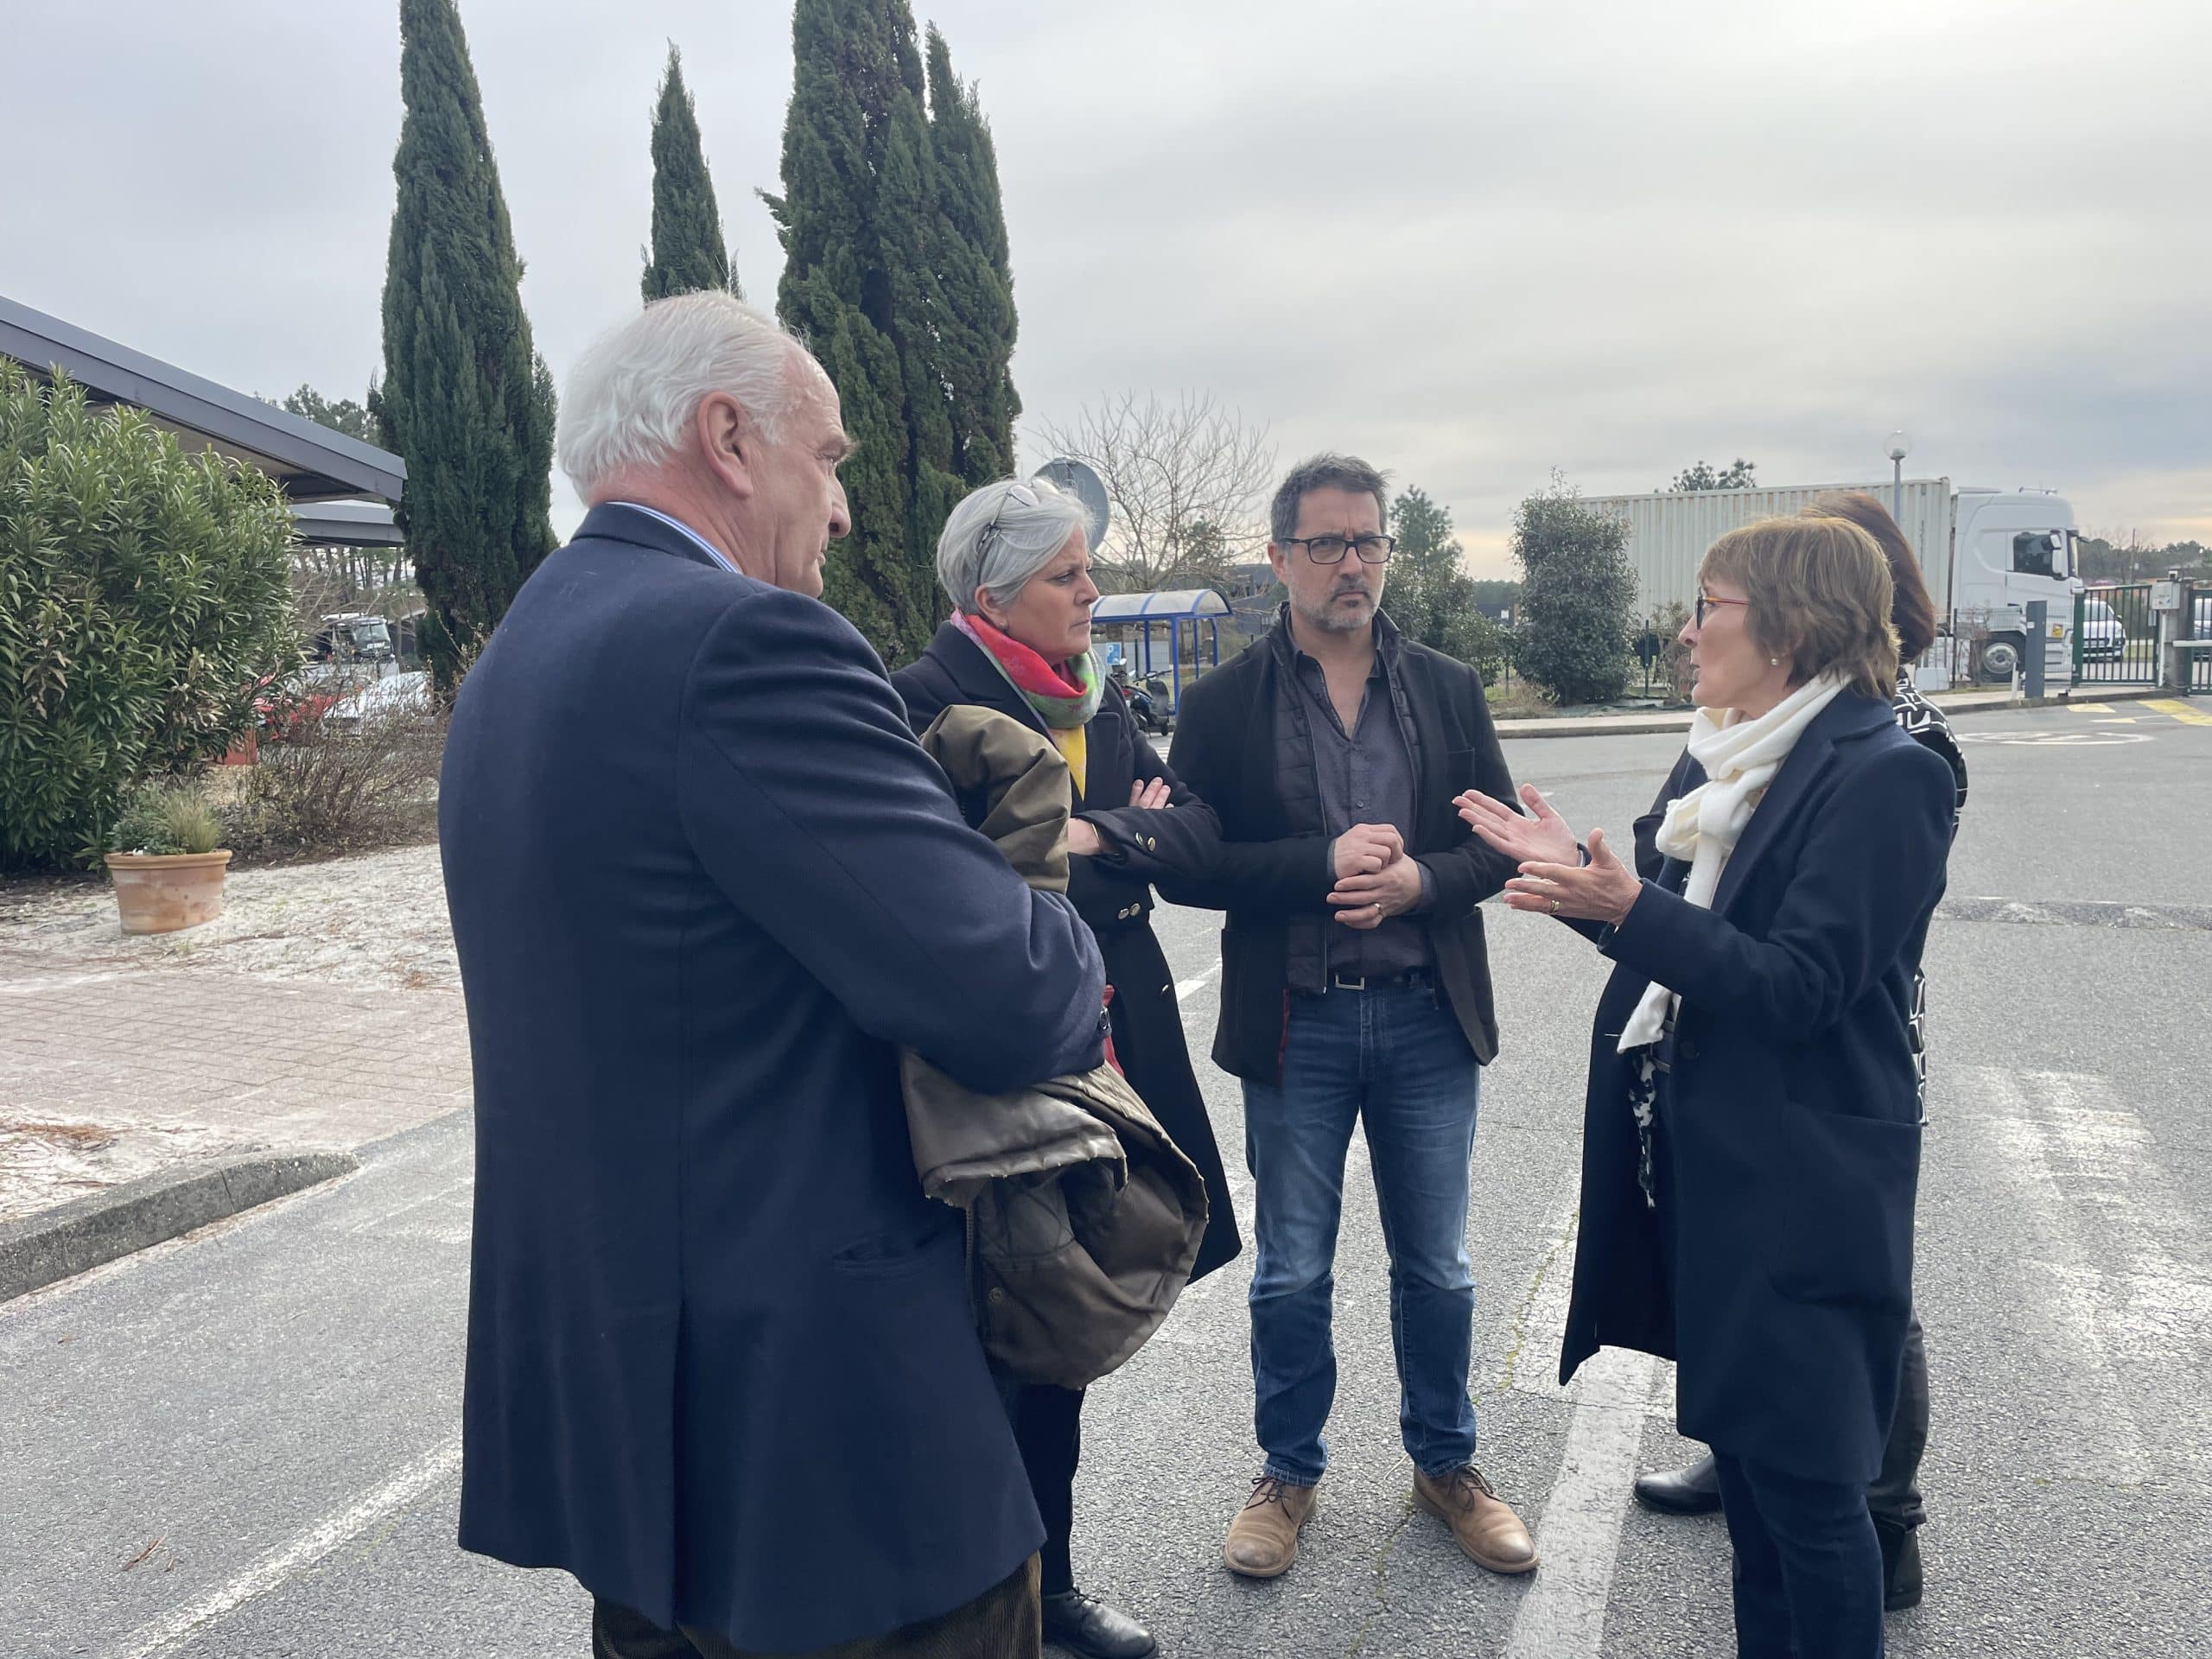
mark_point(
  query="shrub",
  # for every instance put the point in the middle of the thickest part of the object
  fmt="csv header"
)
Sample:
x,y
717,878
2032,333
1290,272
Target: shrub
x,y
142,597
345,776
166,819
1577,596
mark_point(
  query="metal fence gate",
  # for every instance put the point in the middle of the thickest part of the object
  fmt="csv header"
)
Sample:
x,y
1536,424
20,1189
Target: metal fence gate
x,y
2116,636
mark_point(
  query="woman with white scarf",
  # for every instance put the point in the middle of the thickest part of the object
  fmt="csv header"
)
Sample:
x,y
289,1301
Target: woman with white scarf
x,y
1751,1139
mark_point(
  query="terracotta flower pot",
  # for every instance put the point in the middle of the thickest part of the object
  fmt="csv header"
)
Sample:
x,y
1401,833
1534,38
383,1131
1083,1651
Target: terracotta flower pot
x,y
160,893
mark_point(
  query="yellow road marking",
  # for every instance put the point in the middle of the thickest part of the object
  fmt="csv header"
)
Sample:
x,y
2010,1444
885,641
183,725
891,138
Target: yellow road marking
x,y
2180,710
2090,708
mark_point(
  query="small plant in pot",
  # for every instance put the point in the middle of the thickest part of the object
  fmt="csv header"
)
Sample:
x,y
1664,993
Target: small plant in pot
x,y
167,868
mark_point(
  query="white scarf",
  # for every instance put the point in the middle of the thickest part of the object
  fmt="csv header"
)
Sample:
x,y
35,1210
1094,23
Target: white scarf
x,y
1740,758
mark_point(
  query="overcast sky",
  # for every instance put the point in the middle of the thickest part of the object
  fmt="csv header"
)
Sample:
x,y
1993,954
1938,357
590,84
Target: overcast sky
x,y
1471,242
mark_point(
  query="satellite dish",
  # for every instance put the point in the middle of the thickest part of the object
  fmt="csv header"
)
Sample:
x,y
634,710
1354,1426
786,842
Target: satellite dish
x,y
1079,480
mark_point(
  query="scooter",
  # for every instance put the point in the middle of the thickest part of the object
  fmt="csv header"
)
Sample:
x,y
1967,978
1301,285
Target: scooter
x,y
1148,703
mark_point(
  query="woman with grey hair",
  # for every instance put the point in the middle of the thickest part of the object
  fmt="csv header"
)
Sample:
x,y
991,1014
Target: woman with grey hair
x,y
1015,560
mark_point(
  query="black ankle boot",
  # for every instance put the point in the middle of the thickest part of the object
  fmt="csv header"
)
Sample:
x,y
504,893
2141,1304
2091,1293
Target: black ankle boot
x,y
1085,1625
1901,1581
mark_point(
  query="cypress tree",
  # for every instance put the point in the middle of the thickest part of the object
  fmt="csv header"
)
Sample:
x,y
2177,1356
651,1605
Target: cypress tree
x,y
466,400
688,252
858,221
976,341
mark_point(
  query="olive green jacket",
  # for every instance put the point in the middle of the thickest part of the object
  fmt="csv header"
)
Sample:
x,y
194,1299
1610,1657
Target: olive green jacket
x,y
1083,1218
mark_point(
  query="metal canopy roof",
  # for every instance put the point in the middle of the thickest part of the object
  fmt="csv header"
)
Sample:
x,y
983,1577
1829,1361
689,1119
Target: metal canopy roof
x,y
347,524
309,462
1181,603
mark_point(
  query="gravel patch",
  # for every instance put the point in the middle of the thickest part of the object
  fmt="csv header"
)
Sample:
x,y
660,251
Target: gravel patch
x,y
378,919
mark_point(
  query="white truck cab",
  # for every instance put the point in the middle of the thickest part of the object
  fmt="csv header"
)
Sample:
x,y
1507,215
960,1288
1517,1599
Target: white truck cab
x,y
2008,549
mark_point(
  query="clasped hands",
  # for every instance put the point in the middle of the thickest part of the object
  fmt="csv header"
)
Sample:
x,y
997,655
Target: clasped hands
x,y
1375,879
1082,836
1554,881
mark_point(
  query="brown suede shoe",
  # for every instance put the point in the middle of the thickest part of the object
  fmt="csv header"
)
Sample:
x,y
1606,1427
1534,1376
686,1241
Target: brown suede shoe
x,y
1263,1538
1486,1527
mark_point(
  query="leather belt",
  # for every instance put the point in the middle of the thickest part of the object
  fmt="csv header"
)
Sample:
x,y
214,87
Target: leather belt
x,y
1413,979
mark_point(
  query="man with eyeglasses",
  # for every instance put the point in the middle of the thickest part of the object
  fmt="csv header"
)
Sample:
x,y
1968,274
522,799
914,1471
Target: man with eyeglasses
x,y
1355,986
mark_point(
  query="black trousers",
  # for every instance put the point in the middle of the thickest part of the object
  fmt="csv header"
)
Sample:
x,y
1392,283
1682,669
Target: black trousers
x,y
1048,1427
1894,1496
1807,1567
1003,1623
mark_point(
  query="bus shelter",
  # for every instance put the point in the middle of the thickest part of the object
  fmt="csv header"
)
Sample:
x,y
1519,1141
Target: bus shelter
x,y
1146,614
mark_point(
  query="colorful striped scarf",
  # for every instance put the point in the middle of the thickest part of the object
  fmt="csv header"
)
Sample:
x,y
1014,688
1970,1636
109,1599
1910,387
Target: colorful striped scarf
x,y
1065,699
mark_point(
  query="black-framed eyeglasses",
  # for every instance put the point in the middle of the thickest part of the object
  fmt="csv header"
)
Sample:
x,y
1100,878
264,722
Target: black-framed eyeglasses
x,y
1706,602
1331,550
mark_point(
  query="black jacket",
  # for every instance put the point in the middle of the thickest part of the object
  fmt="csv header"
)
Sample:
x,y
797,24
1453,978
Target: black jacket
x,y
1789,1117
704,883
1113,894
1276,869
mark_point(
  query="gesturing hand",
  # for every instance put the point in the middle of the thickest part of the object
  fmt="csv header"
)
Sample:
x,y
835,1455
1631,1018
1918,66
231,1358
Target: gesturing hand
x,y
1604,890
1543,836
1367,848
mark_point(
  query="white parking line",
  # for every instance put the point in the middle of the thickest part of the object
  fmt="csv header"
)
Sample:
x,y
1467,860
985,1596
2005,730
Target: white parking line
x,y
168,1631
1579,1541
1197,982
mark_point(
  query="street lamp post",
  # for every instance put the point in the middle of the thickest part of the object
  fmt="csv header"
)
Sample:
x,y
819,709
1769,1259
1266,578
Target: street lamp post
x,y
1900,446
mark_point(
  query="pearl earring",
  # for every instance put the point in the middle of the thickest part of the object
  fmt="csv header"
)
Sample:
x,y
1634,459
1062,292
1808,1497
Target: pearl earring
x,y
1774,662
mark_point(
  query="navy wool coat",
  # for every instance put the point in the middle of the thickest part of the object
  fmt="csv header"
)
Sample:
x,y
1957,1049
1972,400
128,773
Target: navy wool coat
x,y
704,883
1113,894
1789,1115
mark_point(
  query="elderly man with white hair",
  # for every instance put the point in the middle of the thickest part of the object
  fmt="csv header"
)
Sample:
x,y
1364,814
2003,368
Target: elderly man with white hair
x,y
705,884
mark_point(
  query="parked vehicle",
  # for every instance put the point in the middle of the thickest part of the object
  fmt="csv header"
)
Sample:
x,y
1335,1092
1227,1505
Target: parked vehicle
x,y
1148,703
352,637
393,696
2104,637
1986,554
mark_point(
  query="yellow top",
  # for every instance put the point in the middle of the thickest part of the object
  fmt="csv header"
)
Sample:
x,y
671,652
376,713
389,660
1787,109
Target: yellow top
x,y
1074,749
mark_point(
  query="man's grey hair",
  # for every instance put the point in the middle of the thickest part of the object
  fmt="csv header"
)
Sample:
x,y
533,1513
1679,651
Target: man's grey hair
x,y
1346,473
1002,534
631,397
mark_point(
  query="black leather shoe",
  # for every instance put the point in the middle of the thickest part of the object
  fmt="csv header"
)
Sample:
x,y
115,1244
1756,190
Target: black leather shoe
x,y
1901,1581
1694,1490
1084,1624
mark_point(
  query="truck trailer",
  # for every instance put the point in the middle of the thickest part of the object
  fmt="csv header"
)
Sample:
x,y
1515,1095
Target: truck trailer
x,y
1985,554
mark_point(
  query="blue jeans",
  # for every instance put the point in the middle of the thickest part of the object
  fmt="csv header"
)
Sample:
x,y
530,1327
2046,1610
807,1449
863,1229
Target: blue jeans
x,y
1396,1060
1808,1567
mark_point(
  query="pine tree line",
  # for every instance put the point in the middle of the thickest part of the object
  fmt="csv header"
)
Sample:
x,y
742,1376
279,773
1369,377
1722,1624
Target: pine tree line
x,y
466,400
687,253
896,276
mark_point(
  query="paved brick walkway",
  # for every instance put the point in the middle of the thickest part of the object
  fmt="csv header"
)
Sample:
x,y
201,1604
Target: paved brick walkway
x,y
110,1072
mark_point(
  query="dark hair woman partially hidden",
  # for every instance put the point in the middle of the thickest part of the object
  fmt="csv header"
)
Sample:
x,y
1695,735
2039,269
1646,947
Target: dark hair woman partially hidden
x,y
1751,1133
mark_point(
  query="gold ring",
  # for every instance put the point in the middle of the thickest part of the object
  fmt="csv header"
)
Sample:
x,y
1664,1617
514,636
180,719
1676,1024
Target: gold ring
x,y
1554,906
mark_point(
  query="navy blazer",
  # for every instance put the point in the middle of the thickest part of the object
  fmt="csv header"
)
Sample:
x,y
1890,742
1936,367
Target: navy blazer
x,y
704,883
1789,1117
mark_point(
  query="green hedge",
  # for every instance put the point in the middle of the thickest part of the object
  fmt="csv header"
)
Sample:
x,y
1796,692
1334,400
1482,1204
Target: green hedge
x,y
143,599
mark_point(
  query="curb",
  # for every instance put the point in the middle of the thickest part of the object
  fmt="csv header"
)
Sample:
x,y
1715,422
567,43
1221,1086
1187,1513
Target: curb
x,y
67,1240
1546,726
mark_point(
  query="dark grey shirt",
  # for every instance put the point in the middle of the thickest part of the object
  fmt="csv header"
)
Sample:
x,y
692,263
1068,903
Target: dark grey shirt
x,y
1365,776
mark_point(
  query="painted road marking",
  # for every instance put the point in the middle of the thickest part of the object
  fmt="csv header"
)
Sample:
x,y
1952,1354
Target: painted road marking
x,y
2074,740
2179,711
165,1634
2090,708
2118,1285
1186,988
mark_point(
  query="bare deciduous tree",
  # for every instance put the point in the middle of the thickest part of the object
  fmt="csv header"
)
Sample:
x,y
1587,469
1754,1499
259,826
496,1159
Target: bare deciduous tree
x,y
1186,480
